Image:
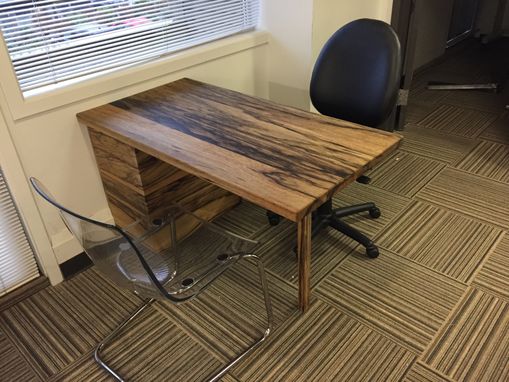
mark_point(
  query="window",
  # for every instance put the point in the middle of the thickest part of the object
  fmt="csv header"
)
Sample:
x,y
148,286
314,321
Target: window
x,y
17,261
54,41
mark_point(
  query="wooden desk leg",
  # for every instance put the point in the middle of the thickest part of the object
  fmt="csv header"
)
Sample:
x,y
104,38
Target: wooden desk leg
x,y
304,258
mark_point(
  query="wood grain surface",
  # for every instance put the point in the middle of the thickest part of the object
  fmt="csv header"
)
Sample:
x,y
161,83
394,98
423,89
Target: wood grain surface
x,y
141,187
283,159
304,259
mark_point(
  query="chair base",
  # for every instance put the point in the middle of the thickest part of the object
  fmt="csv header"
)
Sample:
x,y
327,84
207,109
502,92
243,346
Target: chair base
x,y
326,216
216,377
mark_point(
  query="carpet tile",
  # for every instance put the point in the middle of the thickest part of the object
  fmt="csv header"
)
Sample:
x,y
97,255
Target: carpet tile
x,y
404,173
469,194
152,348
13,367
458,121
326,345
57,325
447,242
488,159
429,143
401,299
472,346
498,131
423,373
230,315
494,275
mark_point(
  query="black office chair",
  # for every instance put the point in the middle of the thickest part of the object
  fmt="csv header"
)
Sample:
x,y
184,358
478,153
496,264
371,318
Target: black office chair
x,y
356,78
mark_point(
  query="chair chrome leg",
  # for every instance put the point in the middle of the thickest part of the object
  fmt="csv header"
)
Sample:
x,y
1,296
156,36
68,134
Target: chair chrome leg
x,y
270,319
113,334
224,370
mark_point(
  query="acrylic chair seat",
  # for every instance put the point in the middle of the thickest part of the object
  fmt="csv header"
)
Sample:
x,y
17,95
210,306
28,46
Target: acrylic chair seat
x,y
175,259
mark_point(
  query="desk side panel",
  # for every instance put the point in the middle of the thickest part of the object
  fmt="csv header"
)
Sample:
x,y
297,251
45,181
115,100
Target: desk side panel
x,y
139,186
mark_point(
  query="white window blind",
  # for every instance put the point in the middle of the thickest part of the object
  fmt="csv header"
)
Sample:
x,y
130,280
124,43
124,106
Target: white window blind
x,y
54,41
17,261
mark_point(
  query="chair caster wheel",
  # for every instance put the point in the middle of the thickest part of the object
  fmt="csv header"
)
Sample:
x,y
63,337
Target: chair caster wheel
x,y
274,219
375,212
372,252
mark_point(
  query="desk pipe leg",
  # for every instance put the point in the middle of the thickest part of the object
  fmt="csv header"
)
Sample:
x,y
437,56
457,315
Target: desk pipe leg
x,y
304,259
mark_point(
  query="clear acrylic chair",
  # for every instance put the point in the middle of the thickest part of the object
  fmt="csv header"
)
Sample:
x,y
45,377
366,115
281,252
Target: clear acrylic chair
x,y
189,264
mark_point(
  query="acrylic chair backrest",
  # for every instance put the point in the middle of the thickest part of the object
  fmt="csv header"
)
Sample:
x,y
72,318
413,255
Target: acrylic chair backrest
x,y
114,253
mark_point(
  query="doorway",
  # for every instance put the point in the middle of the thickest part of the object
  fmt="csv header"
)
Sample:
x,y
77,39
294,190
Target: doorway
x,y
432,31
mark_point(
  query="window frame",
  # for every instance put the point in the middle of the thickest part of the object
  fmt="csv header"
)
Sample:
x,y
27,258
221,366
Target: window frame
x,y
63,94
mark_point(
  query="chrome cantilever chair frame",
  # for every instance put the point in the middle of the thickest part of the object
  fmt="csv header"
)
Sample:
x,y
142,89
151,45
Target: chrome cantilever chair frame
x,y
161,292
117,331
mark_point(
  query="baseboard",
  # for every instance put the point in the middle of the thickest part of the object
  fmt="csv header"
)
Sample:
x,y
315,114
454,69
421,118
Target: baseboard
x,y
65,246
23,292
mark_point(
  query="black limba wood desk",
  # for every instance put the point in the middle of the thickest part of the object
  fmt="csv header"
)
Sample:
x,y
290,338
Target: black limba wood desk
x,y
205,146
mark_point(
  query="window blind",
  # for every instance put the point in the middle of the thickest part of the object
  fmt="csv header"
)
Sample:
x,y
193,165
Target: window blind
x,y
17,261
53,41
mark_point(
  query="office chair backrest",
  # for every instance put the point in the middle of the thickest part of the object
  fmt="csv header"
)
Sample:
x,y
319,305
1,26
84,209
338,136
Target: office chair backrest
x,y
113,252
357,74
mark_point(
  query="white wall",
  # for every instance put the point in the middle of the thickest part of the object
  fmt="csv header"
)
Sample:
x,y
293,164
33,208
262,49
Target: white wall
x,y
330,15
289,23
298,30
50,145
14,175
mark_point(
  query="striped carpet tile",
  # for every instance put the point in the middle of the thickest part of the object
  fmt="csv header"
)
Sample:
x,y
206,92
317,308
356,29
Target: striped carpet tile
x,y
404,173
152,348
473,345
441,240
231,314
399,298
389,203
416,111
245,219
329,247
420,93
423,373
488,101
13,366
498,130
57,325
325,345
488,159
435,144
494,275
458,121
480,198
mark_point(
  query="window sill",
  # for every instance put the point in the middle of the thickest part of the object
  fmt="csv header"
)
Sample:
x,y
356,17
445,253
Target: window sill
x,y
21,107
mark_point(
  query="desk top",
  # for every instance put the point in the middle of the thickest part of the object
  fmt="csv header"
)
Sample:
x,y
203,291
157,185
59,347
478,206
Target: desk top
x,y
283,159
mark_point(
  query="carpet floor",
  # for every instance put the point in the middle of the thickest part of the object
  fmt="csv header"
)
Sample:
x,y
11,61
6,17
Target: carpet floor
x,y
434,306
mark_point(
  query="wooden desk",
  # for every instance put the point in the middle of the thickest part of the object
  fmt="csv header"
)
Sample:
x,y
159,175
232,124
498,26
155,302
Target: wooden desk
x,y
206,146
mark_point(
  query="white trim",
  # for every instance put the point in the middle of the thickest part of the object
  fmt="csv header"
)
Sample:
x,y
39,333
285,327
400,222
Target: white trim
x,y
65,244
18,185
21,107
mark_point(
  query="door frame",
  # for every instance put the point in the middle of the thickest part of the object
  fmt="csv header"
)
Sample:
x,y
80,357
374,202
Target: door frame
x,y
404,21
